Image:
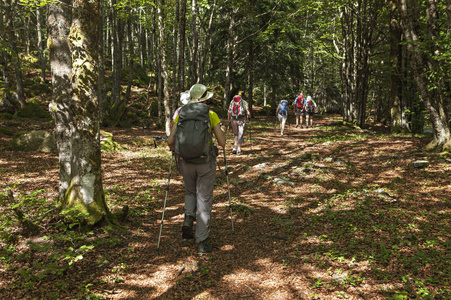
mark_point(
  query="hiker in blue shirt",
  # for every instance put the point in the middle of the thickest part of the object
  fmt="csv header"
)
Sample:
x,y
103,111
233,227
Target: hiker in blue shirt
x,y
282,114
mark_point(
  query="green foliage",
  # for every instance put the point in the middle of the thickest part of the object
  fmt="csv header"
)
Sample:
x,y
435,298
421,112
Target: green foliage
x,y
268,110
6,116
7,132
33,110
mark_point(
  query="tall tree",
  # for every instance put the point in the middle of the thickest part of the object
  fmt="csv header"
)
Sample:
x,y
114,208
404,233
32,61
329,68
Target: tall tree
x,y
164,67
422,46
78,118
59,18
10,11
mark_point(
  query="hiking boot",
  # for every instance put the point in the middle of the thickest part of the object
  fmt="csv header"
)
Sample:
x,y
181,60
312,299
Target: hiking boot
x,y
187,228
205,246
234,150
238,151
301,126
297,126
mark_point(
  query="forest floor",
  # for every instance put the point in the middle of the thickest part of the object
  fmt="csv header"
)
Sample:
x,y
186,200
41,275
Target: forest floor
x,y
330,212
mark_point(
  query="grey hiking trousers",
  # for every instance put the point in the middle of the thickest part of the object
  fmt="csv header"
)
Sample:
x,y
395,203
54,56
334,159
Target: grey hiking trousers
x,y
238,126
199,183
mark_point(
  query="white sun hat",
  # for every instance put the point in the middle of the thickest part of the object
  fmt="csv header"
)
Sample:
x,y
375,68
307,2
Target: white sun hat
x,y
198,92
184,97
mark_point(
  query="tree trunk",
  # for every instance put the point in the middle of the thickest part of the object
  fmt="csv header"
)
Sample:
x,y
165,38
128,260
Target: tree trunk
x,y
58,22
6,105
421,63
19,96
85,190
130,62
250,76
175,91
206,50
230,51
347,74
101,86
448,13
181,47
117,106
164,67
194,66
41,56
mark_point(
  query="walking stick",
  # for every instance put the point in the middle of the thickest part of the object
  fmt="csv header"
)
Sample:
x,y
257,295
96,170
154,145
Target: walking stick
x,y
228,190
164,205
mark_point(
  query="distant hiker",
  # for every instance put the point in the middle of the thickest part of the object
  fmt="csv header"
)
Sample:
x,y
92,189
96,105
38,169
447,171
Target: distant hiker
x,y
237,114
282,114
299,111
193,133
184,98
310,107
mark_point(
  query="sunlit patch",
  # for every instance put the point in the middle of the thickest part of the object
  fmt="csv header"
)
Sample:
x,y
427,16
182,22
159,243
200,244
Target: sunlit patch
x,y
227,247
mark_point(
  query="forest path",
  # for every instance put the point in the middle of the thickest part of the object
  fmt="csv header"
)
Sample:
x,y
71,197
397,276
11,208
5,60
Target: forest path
x,y
316,214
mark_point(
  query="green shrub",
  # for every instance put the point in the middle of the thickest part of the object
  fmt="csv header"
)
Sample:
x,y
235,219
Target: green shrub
x,y
267,110
6,116
8,132
33,110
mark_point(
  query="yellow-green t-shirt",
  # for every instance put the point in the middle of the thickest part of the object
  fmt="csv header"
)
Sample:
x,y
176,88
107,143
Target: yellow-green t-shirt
x,y
214,119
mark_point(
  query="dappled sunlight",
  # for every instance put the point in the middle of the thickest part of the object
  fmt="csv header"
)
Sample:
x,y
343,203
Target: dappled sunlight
x,y
316,214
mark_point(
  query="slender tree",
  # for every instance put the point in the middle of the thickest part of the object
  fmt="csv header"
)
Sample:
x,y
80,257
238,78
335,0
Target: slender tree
x,y
421,45
59,18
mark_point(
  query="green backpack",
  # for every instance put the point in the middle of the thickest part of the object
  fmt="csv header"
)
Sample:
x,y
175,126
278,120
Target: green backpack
x,y
193,137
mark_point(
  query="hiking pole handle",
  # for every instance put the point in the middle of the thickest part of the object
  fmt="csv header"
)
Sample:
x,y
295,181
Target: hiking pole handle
x,y
155,138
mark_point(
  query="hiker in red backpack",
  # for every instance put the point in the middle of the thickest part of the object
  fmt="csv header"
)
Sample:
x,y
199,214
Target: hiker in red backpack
x,y
310,107
299,109
198,172
237,114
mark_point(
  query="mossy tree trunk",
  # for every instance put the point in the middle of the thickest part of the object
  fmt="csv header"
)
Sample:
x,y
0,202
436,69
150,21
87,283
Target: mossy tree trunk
x,y
85,190
76,112
59,17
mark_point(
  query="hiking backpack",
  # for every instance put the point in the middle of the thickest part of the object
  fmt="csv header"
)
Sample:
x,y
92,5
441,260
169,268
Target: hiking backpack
x,y
300,101
309,105
283,108
237,107
193,138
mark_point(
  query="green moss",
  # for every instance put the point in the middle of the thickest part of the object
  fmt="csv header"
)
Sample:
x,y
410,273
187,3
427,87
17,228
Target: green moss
x,y
33,110
107,144
38,88
6,116
7,132
76,211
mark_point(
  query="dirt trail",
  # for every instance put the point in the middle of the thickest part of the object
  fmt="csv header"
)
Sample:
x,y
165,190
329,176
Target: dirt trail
x,y
295,198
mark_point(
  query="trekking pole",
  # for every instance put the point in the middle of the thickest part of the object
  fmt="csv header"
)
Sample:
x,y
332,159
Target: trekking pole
x,y
228,189
164,204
